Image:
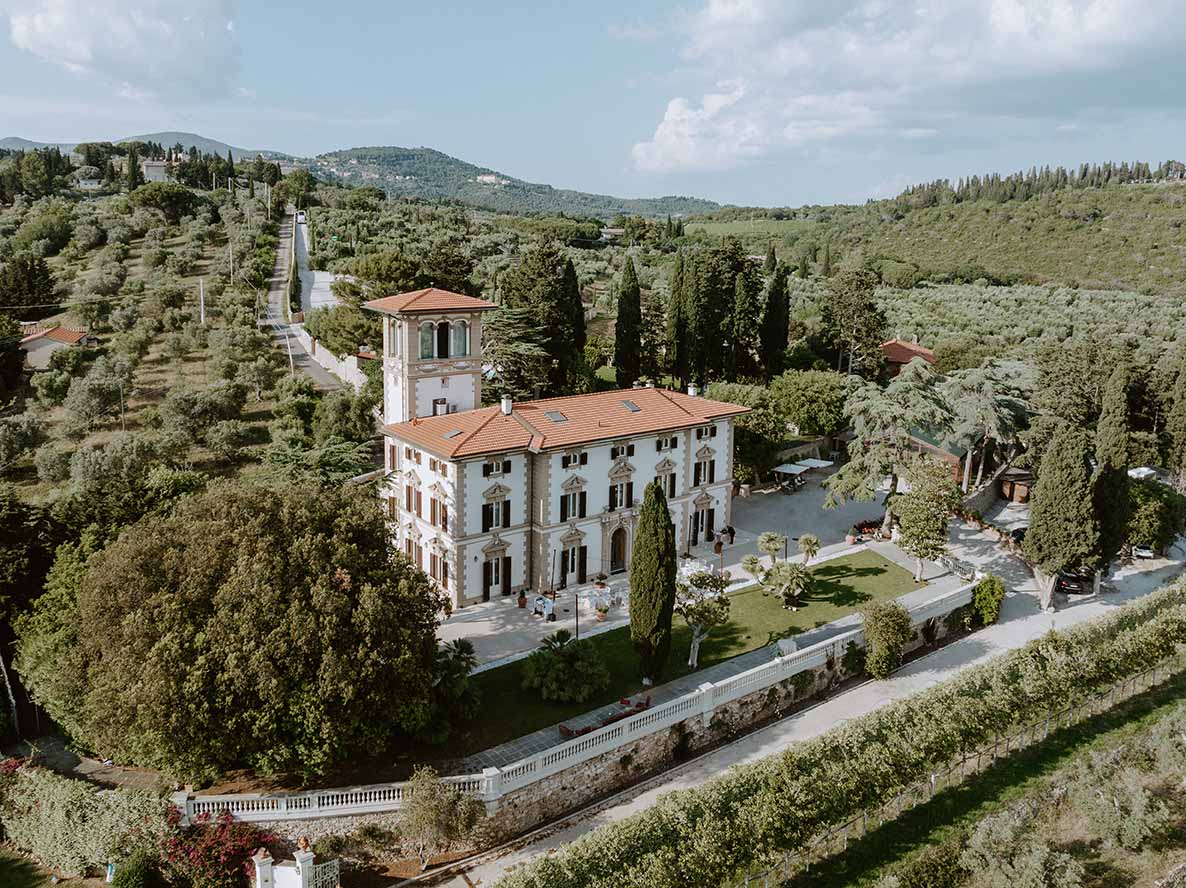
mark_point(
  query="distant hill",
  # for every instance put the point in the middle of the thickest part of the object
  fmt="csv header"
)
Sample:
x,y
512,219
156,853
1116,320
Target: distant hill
x,y
168,139
429,174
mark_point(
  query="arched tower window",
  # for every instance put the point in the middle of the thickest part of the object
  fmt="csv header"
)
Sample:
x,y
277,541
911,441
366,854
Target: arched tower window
x,y
443,339
460,338
426,340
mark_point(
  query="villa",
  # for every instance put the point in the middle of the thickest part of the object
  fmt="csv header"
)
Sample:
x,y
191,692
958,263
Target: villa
x,y
537,495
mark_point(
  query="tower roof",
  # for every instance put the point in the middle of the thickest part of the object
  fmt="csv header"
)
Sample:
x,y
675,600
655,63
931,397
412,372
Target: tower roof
x,y
430,299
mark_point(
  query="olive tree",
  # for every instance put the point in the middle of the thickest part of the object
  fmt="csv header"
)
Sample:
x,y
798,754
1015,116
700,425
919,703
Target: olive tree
x,y
703,604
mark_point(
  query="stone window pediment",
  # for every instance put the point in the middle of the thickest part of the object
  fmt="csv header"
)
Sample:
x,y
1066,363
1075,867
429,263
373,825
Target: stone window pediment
x,y
621,471
574,537
573,484
439,492
705,452
437,545
665,466
703,501
411,530
496,492
495,546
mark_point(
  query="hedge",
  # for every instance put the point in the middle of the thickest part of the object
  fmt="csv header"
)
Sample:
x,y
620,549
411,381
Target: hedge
x,y
72,825
706,836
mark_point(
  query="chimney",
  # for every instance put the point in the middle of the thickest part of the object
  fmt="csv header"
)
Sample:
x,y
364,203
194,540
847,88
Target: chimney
x,y
507,405
650,383
694,390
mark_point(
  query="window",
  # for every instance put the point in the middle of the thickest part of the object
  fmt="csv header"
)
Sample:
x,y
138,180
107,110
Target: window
x,y
619,450
412,455
574,459
572,505
706,432
669,442
409,498
392,456
432,464
494,572
621,495
460,338
439,513
419,504
555,416
443,339
496,467
667,482
496,514
415,553
704,472
426,341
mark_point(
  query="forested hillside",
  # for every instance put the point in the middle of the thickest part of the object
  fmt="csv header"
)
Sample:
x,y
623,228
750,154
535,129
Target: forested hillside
x,y
425,173
1111,236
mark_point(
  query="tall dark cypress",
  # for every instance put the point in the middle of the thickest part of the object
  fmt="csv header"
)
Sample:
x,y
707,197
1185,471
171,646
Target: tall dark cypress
x,y
776,323
571,299
1111,472
652,584
628,327
677,322
771,262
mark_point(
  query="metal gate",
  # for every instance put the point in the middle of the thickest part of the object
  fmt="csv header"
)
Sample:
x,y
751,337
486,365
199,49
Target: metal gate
x,y
325,875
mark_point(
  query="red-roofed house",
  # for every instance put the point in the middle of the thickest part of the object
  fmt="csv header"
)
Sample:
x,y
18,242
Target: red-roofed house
x,y
898,353
41,342
537,495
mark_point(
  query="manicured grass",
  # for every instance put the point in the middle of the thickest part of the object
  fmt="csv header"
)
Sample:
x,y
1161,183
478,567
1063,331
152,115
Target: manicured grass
x,y
956,810
841,586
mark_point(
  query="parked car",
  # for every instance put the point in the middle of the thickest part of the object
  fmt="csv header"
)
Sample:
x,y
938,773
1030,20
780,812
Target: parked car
x,y
1143,552
1017,534
1075,582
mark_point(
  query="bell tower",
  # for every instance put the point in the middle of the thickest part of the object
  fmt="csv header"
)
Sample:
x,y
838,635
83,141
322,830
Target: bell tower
x,y
432,353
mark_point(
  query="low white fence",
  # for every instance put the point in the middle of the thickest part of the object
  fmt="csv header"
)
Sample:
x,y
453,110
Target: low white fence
x,y
493,783
346,369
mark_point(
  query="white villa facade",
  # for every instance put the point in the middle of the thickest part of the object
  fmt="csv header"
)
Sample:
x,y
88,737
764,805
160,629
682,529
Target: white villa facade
x,y
539,495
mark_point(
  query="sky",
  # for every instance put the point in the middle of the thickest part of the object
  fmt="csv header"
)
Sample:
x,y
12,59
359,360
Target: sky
x,y
752,102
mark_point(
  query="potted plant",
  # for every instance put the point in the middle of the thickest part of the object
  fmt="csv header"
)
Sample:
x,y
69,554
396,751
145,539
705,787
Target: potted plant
x,y
599,581
851,536
522,598
602,610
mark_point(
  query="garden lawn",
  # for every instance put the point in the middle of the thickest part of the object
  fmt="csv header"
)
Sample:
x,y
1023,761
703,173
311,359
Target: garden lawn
x,y
842,586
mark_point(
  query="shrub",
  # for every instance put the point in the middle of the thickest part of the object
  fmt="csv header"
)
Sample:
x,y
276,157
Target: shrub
x,y
887,630
51,386
212,853
564,670
1119,807
73,826
18,434
52,463
140,869
934,866
987,596
228,437
436,814
1002,851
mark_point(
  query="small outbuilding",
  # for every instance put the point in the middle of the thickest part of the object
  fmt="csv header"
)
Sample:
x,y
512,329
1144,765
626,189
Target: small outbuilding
x,y
40,343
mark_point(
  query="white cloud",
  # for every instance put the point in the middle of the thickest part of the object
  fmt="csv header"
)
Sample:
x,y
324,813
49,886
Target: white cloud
x,y
805,72
171,50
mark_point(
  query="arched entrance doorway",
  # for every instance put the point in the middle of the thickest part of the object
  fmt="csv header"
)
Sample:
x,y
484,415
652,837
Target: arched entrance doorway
x,y
617,551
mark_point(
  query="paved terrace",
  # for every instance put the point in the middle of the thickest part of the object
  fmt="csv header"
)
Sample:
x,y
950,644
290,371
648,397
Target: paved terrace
x,y
939,581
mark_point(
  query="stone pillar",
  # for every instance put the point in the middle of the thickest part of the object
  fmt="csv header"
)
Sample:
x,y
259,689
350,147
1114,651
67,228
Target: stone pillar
x,y
493,780
304,862
706,704
263,869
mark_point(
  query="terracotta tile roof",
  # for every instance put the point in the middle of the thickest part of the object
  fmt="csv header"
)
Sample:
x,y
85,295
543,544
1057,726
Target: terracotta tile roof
x,y
555,423
898,352
429,299
64,335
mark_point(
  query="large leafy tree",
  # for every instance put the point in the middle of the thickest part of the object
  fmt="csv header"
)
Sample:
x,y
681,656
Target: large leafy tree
x,y
652,584
253,627
989,407
540,287
923,511
1111,493
883,421
1063,532
517,348
761,433
812,399
854,321
628,327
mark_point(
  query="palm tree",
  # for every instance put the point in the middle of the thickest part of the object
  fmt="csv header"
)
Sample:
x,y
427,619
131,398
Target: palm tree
x,y
790,580
557,641
772,543
809,547
752,565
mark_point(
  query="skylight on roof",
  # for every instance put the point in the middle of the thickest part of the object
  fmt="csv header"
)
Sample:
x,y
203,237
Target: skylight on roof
x,y
632,407
453,434
555,416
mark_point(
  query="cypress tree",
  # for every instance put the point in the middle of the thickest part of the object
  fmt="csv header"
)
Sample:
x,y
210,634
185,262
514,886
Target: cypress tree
x,y
1111,460
1175,426
628,327
747,312
826,264
804,268
652,584
771,262
776,322
1063,533
133,175
571,297
677,323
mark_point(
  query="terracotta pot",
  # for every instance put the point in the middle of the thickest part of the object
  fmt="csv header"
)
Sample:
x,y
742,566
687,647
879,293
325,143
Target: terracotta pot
x,y
522,601
600,616
850,539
